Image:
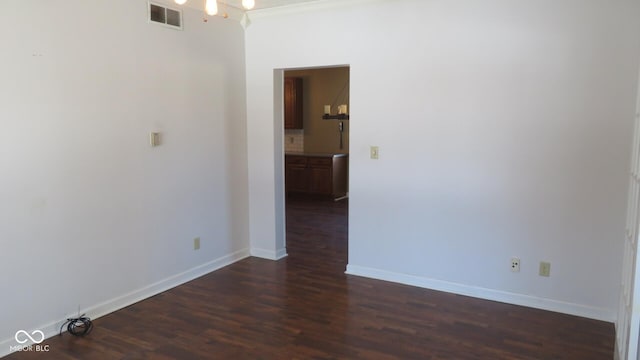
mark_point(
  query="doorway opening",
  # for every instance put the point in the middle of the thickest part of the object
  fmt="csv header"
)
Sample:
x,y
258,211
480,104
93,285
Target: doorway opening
x,y
315,142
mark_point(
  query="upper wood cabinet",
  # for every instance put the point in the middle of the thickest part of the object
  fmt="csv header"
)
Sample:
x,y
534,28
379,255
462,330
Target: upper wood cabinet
x,y
292,103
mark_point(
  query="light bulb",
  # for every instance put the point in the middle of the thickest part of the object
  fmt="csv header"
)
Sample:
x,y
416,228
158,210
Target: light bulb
x,y
180,2
211,7
248,4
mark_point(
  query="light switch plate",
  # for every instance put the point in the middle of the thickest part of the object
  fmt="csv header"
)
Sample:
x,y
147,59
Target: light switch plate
x,y
154,139
545,269
374,152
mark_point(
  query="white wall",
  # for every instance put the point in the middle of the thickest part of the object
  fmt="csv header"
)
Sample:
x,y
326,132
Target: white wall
x,y
90,214
504,130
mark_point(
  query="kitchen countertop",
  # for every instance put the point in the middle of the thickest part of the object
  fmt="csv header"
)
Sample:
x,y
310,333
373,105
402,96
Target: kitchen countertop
x,y
311,154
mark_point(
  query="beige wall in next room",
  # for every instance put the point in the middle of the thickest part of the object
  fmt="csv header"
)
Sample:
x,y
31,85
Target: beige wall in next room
x,y
323,87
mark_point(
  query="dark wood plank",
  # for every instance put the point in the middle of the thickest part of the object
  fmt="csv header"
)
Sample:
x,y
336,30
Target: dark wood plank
x,y
305,307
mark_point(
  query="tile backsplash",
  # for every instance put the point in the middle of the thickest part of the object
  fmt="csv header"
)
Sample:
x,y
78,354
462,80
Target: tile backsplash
x,y
294,140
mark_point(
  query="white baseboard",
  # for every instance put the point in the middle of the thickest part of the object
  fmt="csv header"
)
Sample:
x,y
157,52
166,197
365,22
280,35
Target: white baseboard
x,y
269,254
133,297
484,293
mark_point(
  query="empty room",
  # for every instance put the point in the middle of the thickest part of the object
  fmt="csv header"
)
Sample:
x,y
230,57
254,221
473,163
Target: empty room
x,y
319,179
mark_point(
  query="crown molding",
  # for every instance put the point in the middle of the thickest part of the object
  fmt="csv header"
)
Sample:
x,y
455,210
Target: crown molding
x,y
307,7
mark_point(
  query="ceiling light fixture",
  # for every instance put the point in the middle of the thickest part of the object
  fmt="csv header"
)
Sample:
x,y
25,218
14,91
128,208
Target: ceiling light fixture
x,y
248,4
211,6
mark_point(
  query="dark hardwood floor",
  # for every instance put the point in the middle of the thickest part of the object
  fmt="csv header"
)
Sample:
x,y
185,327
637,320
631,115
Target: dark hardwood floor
x,y
305,307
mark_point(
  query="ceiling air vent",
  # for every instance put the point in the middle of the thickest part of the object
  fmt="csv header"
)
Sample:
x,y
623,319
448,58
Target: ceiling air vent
x,y
163,15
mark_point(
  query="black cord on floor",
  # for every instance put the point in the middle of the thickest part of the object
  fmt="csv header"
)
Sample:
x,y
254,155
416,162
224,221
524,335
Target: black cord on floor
x,y
79,326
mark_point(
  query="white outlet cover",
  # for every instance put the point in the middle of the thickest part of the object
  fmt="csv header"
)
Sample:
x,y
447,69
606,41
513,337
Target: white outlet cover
x,y
515,264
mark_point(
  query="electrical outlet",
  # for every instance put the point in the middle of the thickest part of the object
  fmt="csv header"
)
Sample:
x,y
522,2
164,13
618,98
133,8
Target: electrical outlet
x,y
515,264
545,268
196,243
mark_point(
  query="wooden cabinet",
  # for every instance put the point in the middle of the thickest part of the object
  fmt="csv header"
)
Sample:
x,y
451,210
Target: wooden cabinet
x,y
297,175
293,103
318,175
